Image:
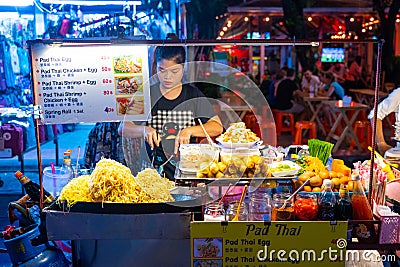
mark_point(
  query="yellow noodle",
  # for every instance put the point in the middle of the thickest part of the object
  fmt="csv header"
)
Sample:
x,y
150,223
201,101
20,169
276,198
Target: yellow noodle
x,y
77,190
113,182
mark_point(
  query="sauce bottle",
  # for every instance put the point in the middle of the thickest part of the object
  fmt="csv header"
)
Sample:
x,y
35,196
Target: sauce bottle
x,y
344,209
326,202
33,189
361,207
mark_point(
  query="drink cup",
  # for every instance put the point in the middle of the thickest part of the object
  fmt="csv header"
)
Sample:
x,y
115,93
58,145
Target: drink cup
x,y
54,182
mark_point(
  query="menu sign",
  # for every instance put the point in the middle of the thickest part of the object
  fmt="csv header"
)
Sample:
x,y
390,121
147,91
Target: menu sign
x,y
91,83
259,244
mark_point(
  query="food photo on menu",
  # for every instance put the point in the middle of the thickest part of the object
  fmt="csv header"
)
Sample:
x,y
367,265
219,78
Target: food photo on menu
x,y
207,247
127,64
207,263
130,105
129,85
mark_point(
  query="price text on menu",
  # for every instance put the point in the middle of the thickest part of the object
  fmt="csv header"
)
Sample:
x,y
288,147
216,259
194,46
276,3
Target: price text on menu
x,y
91,83
259,244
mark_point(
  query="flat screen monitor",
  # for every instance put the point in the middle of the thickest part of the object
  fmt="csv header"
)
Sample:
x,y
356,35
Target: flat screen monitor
x,y
332,54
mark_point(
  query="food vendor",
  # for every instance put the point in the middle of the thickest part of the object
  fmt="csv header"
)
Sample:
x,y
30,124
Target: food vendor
x,y
388,105
176,108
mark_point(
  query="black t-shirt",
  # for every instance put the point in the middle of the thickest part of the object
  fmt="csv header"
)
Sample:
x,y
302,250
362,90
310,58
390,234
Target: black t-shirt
x,y
184,110
168,117
284,94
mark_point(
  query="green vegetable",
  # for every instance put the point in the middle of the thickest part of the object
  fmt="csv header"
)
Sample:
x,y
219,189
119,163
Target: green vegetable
x,y
320,149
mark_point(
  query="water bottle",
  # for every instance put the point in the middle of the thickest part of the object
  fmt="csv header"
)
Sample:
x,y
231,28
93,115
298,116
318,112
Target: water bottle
x,y
67,164
312,90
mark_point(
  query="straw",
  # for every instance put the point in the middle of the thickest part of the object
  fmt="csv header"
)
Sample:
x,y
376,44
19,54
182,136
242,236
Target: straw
x,y
53,169
77,162
220,201
236,218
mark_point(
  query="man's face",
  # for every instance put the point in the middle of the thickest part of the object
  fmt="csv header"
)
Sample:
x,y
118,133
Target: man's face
x,y
307,75
169,73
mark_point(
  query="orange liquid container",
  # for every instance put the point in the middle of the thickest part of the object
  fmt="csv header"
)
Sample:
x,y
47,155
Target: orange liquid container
x,y
361,207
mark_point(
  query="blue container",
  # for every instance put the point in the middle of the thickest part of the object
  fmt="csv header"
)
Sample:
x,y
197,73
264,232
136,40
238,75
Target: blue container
x,y
20,248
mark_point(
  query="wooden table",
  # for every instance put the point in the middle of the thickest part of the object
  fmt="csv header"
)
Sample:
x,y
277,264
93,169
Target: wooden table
x,y
366,96
348,132
314,103
234,112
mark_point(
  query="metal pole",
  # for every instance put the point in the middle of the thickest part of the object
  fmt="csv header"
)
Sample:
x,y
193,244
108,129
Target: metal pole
x,y
372,178
38,152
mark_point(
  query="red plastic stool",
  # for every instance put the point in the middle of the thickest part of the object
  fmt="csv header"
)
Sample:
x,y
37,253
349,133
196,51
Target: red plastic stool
x,y
363,131
280,117
304,125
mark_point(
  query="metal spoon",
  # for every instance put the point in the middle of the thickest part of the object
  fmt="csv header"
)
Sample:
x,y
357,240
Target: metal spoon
x,y
292,195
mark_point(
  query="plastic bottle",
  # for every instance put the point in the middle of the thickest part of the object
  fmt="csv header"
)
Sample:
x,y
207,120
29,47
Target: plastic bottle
x,y
326,202
312,90
33,189
361,207
67,164
344,208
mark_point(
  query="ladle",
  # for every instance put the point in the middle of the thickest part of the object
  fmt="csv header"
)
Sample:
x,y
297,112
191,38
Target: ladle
x,y
292,195
236,218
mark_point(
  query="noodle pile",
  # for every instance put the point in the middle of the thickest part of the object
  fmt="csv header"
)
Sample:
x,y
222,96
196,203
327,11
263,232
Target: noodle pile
x,y
111,181
154,185
77,190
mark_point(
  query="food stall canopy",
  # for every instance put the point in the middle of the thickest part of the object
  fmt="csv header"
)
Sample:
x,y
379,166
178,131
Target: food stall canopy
x,y
323,19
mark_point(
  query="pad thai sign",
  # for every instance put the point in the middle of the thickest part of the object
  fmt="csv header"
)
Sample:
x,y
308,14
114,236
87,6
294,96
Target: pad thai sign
x,y
256,244
91,83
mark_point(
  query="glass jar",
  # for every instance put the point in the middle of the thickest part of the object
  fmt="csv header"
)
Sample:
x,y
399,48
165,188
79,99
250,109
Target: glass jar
x,y
214,212
306,207
279,211
233,209
285,186
260,208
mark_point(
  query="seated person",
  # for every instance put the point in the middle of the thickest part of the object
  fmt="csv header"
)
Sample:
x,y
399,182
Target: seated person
x,y
284,93
309,81
331,88
339,70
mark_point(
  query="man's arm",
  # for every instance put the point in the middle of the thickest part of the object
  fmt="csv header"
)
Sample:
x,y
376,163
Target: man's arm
x,y
380,138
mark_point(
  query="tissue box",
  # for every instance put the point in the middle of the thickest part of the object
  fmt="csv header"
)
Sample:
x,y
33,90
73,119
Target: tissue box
x,y
390,226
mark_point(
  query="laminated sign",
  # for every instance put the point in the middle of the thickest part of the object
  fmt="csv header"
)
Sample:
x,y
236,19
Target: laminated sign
x,y
91,83
262,244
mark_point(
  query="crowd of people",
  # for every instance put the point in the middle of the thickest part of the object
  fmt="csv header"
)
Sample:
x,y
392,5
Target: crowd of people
x,y
284,88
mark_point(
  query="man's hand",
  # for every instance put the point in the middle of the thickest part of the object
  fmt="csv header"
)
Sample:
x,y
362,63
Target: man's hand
x,y
182,138
152,137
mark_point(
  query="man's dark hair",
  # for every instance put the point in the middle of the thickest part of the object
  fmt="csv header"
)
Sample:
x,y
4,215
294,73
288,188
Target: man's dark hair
x,y
289,72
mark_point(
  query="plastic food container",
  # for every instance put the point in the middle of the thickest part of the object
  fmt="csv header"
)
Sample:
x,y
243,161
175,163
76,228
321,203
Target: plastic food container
x,y
227,155
192,155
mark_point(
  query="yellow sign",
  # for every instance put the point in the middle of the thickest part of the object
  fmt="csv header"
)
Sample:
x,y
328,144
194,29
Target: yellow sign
x,y
259,244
